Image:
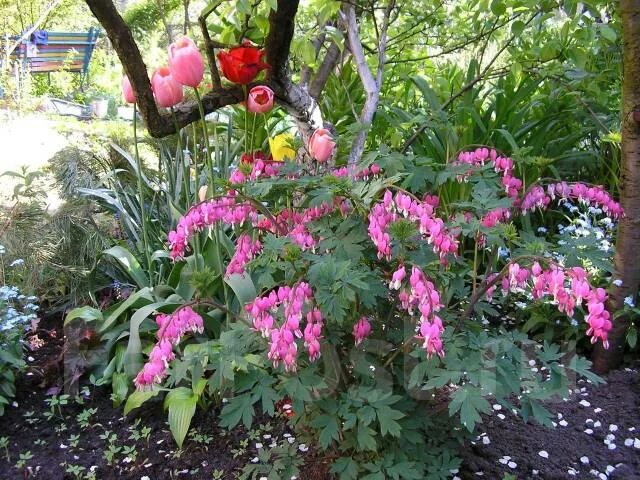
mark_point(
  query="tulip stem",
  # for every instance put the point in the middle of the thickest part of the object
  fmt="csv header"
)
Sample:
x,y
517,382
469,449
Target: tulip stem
x,y
246,119
143,213
253,130
185,165
205,132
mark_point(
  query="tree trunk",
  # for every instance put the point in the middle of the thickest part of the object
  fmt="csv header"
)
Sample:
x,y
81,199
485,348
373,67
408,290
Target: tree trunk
x,y
628,243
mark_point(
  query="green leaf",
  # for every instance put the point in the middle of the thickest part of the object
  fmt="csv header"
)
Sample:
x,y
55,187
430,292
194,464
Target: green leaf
x,y
142,297
533,408
609,33
366,441
86,313
238,408
581,366
469,401
181,403
329,426
498,7
243,287
120,386
346,468
632,336
138,397
387,417
130,264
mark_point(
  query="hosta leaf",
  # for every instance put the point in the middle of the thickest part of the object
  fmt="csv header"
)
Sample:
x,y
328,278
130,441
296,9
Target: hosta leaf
x,y
138,397
181,403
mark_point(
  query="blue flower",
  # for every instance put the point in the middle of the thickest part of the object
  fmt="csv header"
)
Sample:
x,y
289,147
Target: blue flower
x,y
628,301
542,230
503,252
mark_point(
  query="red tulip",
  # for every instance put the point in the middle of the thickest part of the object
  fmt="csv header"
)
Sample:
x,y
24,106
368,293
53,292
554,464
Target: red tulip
x,y
260,99
321,145
167,91
185,62
242,64
127,90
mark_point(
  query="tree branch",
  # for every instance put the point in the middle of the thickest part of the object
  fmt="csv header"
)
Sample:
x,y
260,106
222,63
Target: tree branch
x,y
327,66
300,105
209,46
370,83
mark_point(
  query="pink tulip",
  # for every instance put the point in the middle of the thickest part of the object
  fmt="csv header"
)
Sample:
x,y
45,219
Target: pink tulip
x,y
127,90
260,99
321,145
167,91
185,62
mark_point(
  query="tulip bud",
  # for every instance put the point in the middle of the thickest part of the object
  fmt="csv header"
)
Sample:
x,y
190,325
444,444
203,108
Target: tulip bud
x,y
167,91
260,99
321,145
127,90
185,62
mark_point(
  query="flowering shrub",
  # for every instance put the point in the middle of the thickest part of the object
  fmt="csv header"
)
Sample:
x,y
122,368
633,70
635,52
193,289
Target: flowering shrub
x,y
393,296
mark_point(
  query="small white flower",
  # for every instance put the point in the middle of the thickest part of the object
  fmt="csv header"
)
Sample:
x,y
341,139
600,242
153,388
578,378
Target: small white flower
x,y
501,416
17,262
613,428
146,477
588,431
266,436
597,410
628,442
255,460
584,403
636,443
543,454
486,440
497,407
258,445
612,446
563,423
597,424
617,283
303,447
584,460
512,464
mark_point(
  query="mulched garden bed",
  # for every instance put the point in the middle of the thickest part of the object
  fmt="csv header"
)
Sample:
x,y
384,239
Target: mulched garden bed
x,y
596,436
581,446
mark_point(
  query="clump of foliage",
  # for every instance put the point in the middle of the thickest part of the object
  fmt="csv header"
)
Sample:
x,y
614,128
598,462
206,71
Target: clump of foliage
x,y
17,314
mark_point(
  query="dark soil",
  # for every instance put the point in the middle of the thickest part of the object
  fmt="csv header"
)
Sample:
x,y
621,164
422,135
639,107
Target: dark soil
x,y
615,405
60,445
55,454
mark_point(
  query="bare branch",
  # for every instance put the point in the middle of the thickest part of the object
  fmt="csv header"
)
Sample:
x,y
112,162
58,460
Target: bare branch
x,y
209,46
327,66
370,83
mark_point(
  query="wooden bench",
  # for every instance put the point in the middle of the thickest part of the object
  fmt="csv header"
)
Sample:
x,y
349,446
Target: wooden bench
x,y
63,51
